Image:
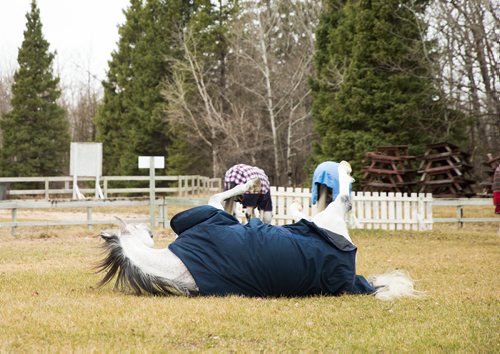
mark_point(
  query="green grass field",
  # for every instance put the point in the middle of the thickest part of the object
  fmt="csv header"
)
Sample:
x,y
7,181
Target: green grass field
x,y
48,301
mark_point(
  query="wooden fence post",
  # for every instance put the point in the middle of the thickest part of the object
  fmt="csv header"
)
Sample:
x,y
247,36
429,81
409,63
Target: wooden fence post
x,y
46,188
360,209
368,209
428,199
89,218
376,210
163,212
399,210
421,211
460,215
105,187
14,220
392,213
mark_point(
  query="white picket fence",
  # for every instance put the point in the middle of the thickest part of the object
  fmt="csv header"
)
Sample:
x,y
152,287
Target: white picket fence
x,y
387,211
392,211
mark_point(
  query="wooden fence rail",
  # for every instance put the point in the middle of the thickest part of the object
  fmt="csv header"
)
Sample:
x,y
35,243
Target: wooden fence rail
x,y
15,205
62,186
371,210
460,204
161,210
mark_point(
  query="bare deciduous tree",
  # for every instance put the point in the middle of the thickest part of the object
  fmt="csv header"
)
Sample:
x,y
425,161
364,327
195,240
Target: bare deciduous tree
x,y
261,113
275,43
6,80
467,33
204,113
80,100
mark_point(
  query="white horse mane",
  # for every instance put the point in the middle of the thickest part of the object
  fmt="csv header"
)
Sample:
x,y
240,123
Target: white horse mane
x,y
131,276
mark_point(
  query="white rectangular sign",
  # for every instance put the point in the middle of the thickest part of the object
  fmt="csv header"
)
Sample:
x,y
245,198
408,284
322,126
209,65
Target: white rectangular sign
x,y
86,159
158,161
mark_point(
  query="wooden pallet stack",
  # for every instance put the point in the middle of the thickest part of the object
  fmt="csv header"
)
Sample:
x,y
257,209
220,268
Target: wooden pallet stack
x,y
389,169
444,170
490,164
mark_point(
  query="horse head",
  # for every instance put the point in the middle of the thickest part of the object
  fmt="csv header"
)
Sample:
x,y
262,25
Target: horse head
x,y
139,231
138,266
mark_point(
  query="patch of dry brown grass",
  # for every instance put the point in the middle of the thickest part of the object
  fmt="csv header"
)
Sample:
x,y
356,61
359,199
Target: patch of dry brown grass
x,y
48,301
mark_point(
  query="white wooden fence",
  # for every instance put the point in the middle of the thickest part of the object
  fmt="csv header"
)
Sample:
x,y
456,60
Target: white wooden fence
x,y
388,211
392,211
88,205
15,205
61,186
460,204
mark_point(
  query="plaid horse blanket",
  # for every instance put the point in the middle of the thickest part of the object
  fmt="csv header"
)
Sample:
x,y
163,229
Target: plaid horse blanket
x,y
228,258
241,173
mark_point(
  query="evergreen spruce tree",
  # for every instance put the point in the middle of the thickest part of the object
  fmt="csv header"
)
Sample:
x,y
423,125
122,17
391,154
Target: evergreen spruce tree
x,y
131,121
373,83
111,121
36,137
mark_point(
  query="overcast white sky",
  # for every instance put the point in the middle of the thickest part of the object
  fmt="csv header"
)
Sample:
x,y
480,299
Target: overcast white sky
x,y
83,32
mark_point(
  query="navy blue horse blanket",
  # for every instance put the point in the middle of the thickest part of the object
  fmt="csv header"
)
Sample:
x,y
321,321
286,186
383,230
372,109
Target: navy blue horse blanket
x,y
228,258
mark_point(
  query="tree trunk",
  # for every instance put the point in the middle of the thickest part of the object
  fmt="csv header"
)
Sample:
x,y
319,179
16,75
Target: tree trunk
x,y
269,99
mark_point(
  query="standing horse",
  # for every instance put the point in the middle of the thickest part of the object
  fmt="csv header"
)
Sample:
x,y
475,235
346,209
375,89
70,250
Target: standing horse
x,y
216,255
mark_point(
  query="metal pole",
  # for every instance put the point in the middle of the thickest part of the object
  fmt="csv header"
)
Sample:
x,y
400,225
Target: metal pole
x,y
152,191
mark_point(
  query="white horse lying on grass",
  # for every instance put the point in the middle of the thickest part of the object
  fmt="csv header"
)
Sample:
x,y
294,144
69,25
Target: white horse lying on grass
x,y
216,255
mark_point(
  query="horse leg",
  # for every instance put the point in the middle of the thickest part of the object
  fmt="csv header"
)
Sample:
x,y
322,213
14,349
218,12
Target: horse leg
x,y
229,205
217,199
323,192
249,212
295,210
266,217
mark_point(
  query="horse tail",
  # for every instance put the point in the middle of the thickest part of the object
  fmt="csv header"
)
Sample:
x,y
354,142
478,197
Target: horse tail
x,y
130,276
393,285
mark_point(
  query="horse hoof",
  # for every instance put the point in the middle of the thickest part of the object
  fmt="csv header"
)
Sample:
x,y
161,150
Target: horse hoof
x,y
253,186
297,204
